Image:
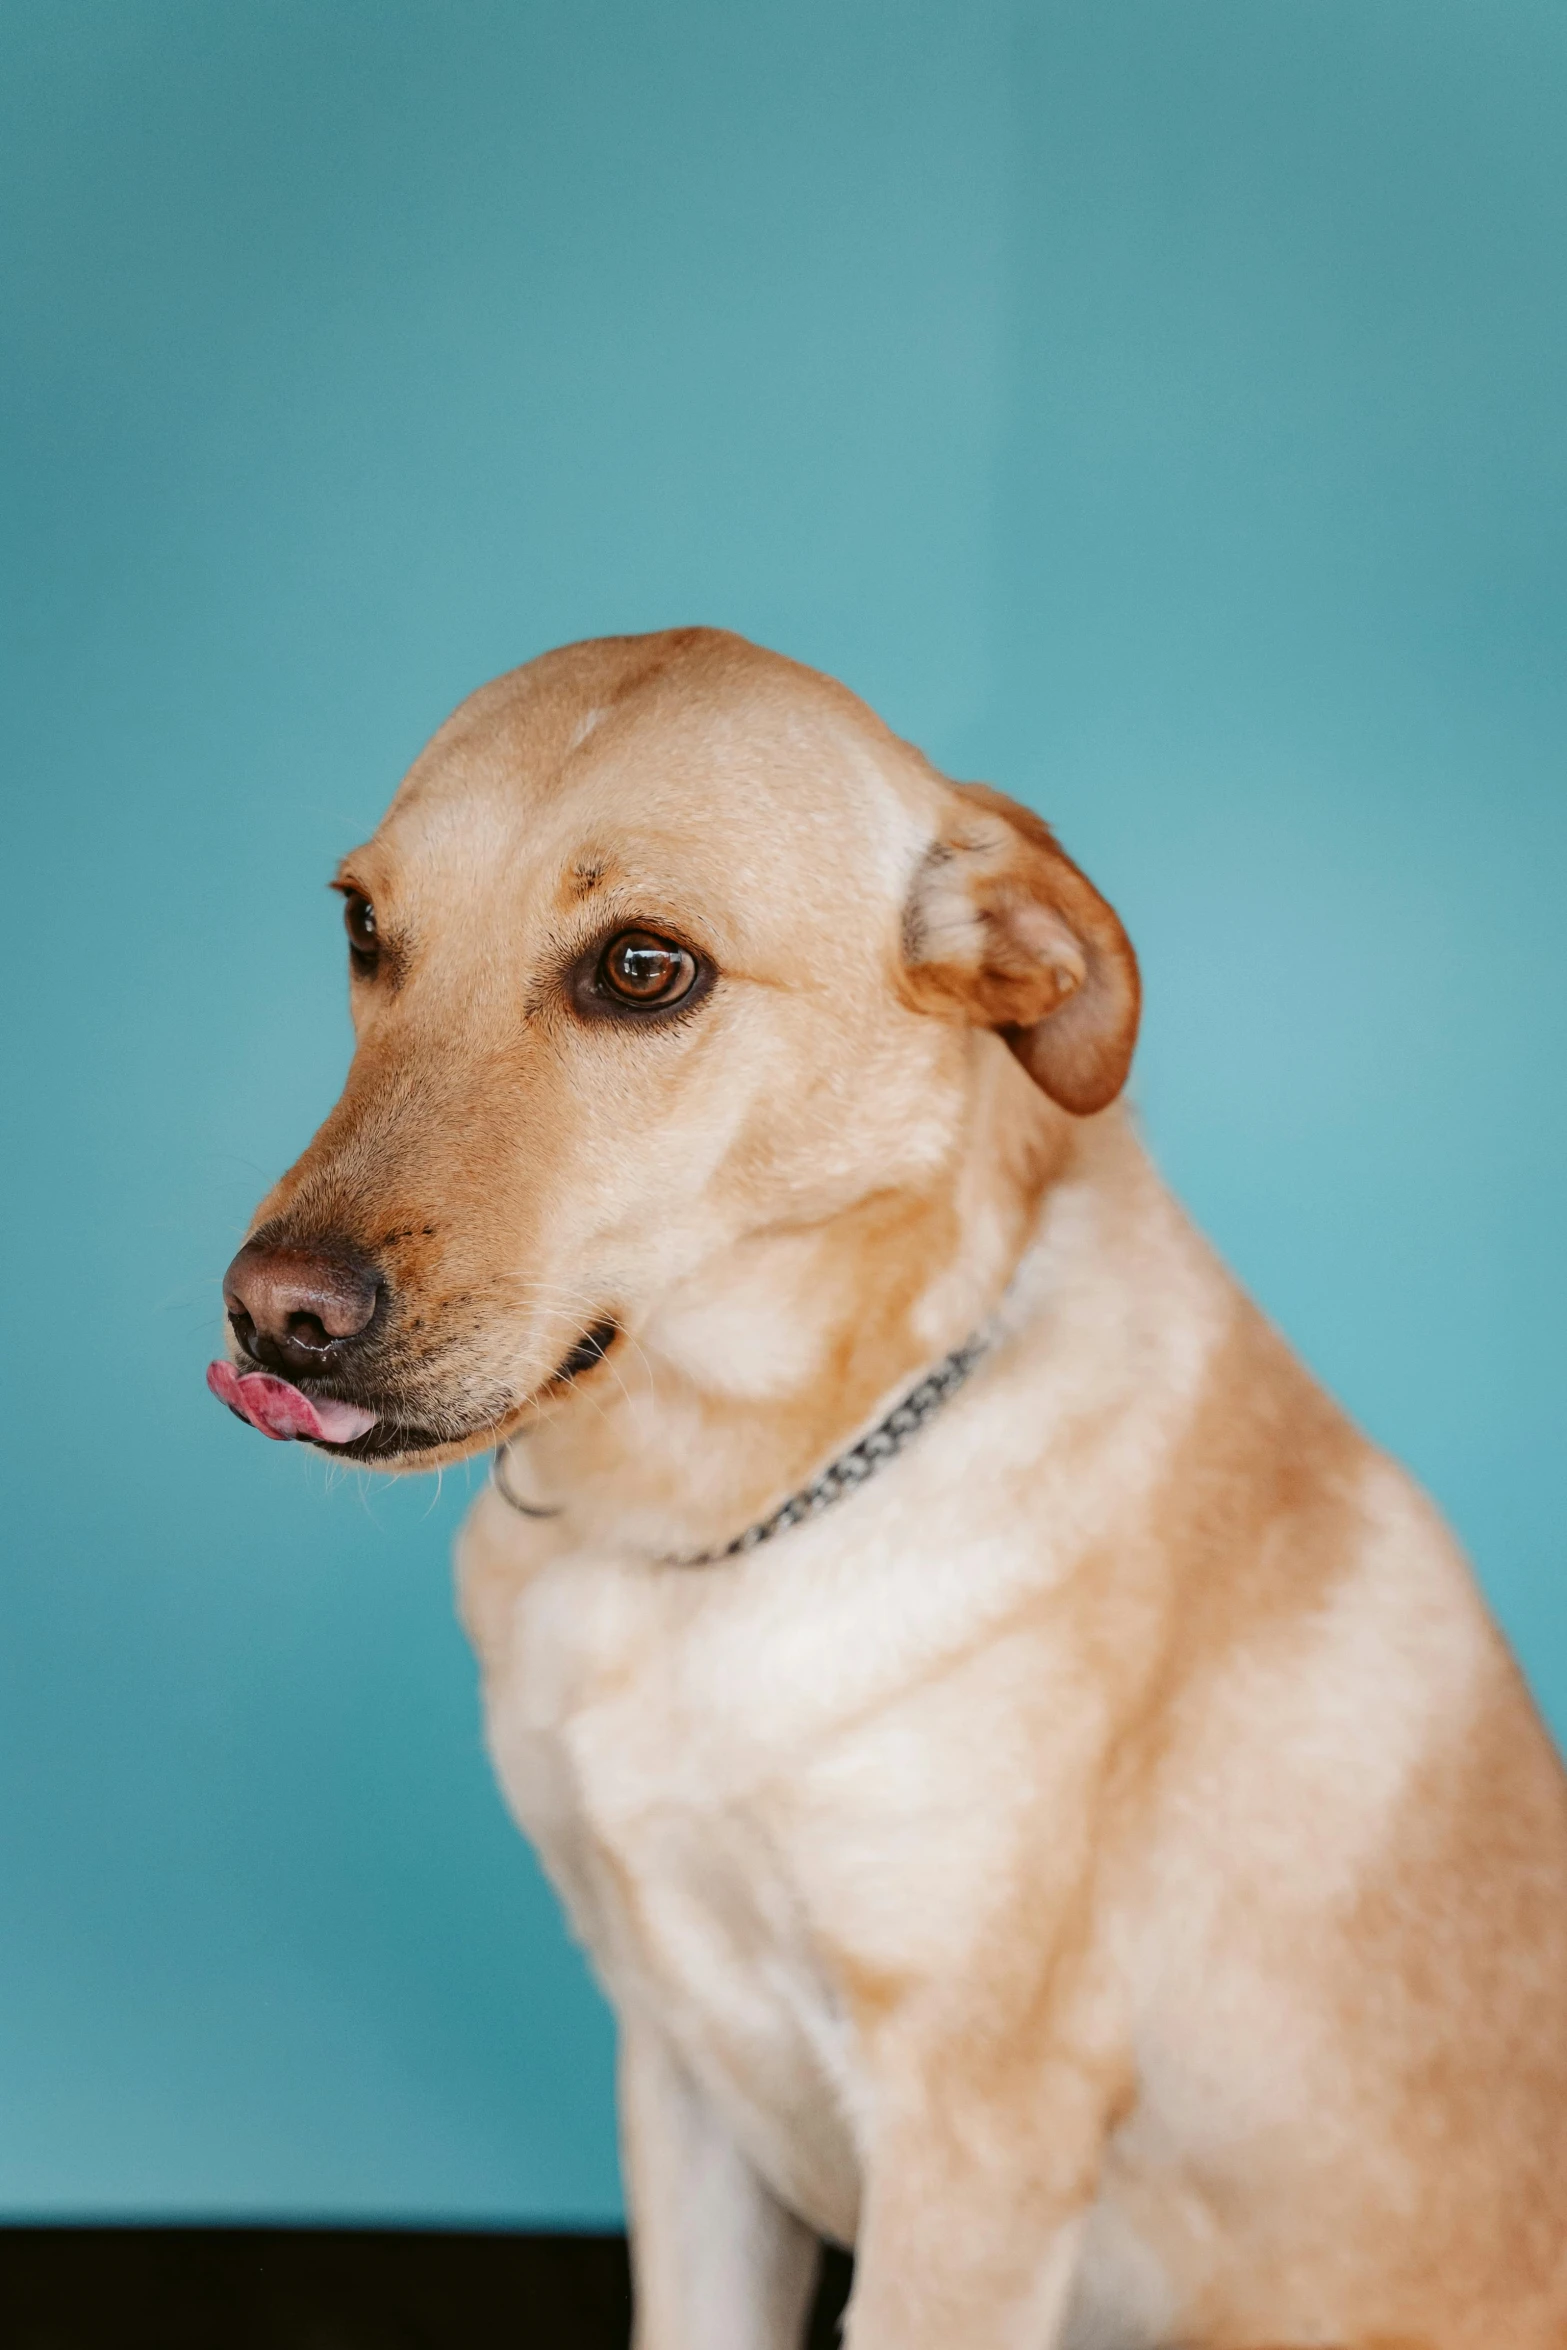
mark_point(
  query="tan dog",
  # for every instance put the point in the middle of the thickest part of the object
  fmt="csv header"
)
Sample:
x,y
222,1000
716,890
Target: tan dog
x,y
1104,1866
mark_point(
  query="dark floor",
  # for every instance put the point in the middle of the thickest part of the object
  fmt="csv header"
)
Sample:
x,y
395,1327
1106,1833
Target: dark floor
x,y
326,2289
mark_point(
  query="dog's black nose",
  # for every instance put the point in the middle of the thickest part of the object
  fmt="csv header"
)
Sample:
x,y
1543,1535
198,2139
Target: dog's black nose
x,y
299,1307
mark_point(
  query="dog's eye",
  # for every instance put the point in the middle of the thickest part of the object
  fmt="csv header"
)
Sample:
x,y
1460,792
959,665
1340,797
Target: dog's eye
x,y
364,943
638,975
642,969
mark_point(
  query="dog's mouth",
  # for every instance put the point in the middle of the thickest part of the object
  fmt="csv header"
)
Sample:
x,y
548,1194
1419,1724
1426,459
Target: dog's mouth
x,y
276,1408
285,1413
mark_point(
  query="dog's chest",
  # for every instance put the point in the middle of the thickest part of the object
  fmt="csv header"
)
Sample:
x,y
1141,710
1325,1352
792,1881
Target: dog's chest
x,y
740,1836
662,1784
755,1829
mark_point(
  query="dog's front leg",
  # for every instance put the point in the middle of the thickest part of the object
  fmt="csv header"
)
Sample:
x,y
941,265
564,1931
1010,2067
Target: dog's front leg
x,y
717,2262
977,2191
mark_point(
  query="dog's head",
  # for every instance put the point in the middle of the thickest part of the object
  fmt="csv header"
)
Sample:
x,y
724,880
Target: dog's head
x,y
664,942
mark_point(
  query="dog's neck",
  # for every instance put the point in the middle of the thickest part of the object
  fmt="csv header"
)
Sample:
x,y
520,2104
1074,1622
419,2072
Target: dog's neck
x,y
753,1374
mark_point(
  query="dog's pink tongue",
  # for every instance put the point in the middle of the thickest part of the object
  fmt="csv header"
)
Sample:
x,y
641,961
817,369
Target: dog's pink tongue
x,y
281,1411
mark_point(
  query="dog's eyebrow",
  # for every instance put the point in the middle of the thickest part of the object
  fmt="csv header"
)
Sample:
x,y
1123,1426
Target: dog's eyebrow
x,y
587,875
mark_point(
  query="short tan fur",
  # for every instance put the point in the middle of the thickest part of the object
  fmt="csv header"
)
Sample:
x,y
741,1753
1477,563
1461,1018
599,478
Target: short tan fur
x,y
1108,1870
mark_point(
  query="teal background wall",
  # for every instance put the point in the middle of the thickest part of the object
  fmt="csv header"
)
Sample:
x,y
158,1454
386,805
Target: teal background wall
x,y
1155,406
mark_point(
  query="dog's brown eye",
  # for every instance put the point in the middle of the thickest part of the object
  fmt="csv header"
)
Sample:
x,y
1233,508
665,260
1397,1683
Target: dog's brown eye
x,y
642,969
359,922
638,975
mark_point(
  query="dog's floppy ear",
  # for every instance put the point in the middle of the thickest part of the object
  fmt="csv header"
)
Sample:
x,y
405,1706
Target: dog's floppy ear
x,y
1003,930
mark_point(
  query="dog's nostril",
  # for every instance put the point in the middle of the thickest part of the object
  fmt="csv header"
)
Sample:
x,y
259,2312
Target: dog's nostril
x,y
308,1330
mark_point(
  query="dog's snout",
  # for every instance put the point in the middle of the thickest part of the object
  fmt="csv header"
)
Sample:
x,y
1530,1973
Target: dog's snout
x,y
297,1308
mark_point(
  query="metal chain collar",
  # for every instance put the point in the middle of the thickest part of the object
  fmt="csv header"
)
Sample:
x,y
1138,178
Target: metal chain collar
x,y
842,1476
